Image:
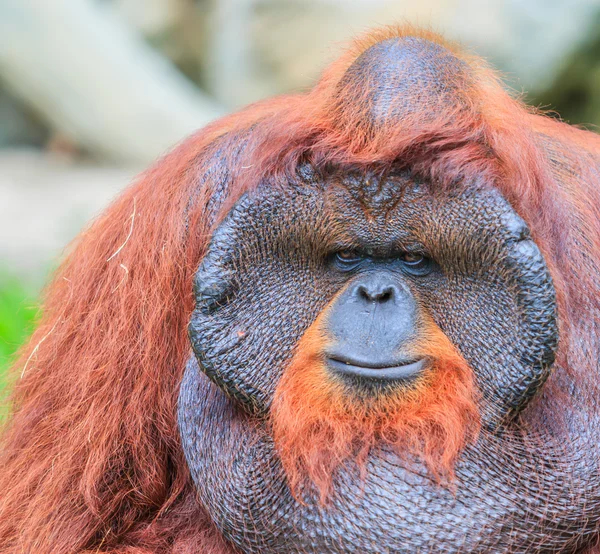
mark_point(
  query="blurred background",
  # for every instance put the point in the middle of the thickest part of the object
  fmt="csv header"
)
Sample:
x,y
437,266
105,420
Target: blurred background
x,y
92,91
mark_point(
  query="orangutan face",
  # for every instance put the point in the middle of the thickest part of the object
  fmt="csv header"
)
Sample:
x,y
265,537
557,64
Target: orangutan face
x,y
387,278
360,309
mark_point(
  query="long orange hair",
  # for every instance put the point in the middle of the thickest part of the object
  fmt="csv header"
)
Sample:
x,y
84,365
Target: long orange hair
x,y
91,458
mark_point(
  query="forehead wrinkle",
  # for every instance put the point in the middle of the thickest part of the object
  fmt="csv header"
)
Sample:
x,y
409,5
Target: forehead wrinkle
x,y
377,210
378,196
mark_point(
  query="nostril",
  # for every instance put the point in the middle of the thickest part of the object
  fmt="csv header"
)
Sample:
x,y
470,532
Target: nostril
x,y
385,295
364,293
376,293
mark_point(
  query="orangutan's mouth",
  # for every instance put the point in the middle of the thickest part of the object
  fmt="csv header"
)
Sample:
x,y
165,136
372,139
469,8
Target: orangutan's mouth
x,y
381,371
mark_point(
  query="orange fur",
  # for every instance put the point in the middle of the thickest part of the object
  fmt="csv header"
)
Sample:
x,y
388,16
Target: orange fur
x,y
319,425
90,458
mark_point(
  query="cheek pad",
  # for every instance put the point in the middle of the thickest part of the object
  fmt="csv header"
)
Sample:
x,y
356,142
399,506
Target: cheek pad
x,y
260,287
257,292
495,299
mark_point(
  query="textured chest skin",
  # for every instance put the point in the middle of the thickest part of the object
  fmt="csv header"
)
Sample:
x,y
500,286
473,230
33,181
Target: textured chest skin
x,y
395,509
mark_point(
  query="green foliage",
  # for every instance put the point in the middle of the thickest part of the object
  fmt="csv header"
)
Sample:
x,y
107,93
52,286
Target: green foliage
x,y
575,92
18,314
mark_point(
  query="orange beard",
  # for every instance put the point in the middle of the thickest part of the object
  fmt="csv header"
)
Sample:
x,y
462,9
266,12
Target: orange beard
x,y
319,424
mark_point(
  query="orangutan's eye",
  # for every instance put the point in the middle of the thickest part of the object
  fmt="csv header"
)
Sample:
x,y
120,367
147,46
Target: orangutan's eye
x,y
417,264
347,259
348,256
412,259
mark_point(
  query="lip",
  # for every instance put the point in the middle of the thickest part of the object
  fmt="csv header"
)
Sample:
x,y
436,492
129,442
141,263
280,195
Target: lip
x,y
381,372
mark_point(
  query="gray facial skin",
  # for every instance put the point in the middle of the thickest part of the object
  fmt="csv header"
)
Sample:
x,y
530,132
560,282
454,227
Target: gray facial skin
x,y
529,484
